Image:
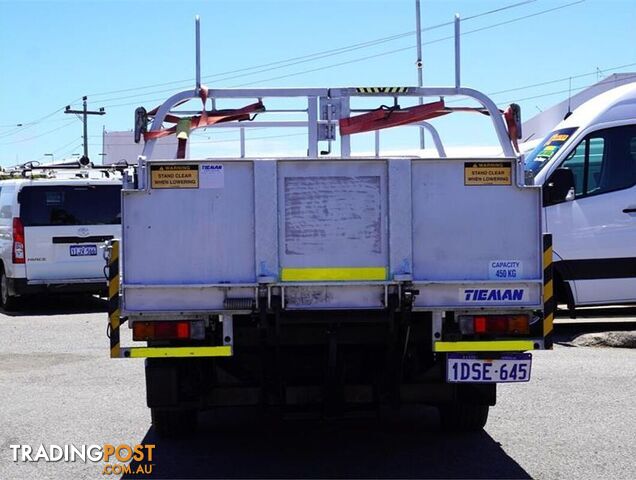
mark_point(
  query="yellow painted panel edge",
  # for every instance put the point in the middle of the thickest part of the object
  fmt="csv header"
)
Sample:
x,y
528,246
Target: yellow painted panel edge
x,y
312,274
492,346
160,352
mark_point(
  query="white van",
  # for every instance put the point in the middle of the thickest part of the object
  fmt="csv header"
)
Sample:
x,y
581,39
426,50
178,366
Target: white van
x,y
52,231
587,167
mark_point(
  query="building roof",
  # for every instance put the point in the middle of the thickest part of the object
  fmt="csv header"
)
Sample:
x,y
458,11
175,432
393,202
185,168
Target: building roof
x,y
543,123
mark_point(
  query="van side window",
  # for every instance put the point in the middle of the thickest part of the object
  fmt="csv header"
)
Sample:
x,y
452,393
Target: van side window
x,y
604,161
6,202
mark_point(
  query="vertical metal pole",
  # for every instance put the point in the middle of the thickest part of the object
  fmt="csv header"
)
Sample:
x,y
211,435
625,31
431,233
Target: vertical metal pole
x,y
457,53
377,143
418,63
312,127
85,119
198,52
242,133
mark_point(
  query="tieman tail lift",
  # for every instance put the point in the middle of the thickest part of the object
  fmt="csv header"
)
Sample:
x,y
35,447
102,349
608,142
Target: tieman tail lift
x,y
332,281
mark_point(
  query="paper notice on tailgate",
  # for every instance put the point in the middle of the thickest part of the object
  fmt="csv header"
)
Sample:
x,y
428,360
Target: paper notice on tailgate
x,y
488,173
174,176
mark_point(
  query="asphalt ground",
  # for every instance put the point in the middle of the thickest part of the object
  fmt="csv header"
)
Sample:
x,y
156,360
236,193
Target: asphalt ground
x,y
575,419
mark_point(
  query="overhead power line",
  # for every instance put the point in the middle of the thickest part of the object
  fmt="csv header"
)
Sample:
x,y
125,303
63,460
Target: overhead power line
x,y
39,135
305,58
362,59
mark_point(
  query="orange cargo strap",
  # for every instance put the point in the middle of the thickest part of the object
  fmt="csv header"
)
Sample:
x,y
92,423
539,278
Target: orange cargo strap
x,y
207,117
387,117
512,125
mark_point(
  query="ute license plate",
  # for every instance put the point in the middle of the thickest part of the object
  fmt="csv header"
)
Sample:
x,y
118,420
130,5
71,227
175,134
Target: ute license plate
x,y
83,250
472,369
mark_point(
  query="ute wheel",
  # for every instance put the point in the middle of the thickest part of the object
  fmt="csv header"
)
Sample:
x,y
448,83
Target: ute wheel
x,y
463,417
173,423
7,301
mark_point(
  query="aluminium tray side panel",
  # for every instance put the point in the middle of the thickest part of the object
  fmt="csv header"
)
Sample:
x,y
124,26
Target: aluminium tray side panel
x,y
459,229
191,236
480,235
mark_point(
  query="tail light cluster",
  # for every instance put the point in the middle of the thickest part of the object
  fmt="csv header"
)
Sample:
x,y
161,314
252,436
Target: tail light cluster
x,y
169,330
494,324
18,254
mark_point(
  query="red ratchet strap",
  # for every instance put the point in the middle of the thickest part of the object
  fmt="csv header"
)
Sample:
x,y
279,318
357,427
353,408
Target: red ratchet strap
x,y
511,123
391,117
206,118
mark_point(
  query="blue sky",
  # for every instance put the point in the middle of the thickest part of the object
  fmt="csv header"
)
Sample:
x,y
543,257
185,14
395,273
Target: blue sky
x,y
52,53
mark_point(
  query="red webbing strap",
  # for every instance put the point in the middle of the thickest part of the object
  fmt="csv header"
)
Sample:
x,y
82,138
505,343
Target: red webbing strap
x,y
512,127
387,118
206,118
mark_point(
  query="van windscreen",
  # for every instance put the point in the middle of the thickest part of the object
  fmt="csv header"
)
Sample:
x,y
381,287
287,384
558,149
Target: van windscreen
x,y
540,156
70,205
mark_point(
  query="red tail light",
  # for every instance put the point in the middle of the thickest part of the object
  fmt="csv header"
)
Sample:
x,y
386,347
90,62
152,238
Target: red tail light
x,y
168,330
19,253
494,324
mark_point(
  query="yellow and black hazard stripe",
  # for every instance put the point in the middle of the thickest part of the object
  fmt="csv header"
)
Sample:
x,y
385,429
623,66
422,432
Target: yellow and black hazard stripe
x,y
382,89
114,319
549,302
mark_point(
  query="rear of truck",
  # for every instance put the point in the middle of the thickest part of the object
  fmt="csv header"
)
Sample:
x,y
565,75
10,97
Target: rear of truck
x,y
330,284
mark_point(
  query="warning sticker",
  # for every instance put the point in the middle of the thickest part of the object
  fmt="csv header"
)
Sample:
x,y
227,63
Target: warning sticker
x,y
174,176
490,173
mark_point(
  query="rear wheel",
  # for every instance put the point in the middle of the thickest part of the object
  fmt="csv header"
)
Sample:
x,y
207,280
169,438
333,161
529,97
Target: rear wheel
x,y
7,301
173,423
463,417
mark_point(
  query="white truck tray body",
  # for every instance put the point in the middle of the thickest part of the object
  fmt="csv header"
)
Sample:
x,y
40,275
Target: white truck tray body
x,y
330,234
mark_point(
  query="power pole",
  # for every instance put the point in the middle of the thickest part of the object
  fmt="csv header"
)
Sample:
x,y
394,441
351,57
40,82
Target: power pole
x,y
85,113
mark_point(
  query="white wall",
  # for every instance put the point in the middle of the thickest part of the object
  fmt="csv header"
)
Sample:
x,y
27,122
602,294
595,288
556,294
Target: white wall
x,y
120,146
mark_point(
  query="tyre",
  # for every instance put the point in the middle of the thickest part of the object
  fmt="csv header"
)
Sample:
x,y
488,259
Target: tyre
x,y
7,301
173,423
463,417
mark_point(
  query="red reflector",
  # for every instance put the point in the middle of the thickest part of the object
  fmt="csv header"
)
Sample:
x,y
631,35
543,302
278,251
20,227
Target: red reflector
x,y
480,324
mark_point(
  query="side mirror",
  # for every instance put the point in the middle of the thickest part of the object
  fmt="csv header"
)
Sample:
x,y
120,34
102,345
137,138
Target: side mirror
x,y
559,187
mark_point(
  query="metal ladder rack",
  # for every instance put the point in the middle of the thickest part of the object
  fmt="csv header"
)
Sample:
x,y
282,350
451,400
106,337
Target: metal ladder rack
x,y
323,108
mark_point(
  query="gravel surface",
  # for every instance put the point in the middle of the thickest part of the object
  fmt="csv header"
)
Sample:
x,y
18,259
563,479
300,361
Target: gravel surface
x,y
575,419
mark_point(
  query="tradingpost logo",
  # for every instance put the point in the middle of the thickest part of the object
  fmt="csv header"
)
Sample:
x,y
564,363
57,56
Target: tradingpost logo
x,y
115,458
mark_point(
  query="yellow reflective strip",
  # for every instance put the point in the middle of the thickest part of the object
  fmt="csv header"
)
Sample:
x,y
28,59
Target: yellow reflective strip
x,y
114,251
155,352
113,287
114,319
115,352
332,274
548,324
494,346
548,291
547,257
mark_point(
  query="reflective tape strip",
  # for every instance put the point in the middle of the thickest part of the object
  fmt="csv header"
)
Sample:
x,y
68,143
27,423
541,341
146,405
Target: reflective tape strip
x,y
113,299
493,346
382,89
167,352
332,274
549,302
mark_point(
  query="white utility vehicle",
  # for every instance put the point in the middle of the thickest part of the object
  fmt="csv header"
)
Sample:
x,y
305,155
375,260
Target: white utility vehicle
x,y
331,280
54,223
587,167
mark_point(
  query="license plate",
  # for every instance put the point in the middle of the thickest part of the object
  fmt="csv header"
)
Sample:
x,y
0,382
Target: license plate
x,y
83,250
472,369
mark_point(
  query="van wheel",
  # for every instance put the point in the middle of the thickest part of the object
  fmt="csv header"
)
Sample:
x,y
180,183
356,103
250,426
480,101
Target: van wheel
x,y
463,417
7,301
173,423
